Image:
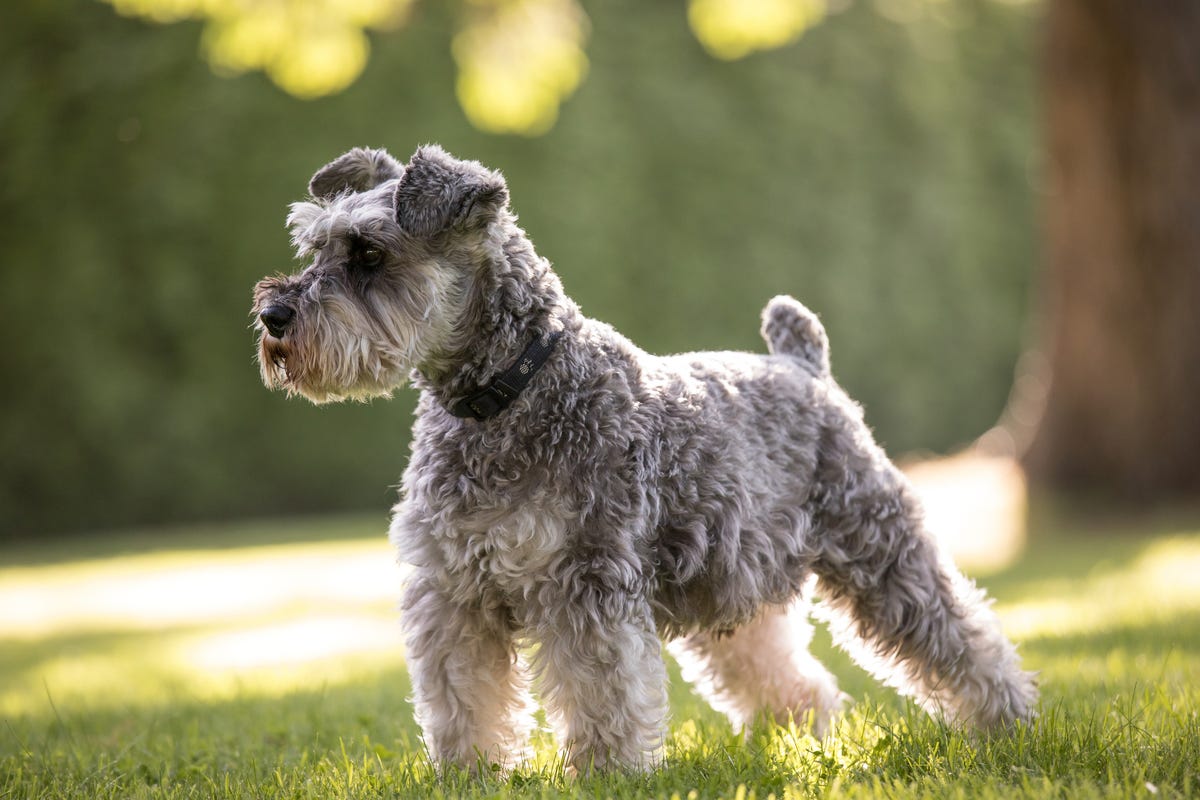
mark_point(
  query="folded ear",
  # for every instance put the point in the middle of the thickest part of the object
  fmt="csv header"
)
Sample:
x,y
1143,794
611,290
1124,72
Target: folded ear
x,y
438,192
357,171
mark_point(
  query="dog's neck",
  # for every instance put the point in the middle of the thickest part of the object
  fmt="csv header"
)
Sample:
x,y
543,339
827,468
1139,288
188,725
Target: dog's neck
x,y
513,299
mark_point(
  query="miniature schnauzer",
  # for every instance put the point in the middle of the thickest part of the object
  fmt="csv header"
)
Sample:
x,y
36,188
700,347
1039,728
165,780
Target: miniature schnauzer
x,y
570,491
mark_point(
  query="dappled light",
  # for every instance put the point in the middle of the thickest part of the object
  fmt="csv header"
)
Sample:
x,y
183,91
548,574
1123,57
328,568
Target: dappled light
x,y
789,746
852,739
731,29
278,618
310,48
163,590
517,61
213,623
293,642
1160,585
298,646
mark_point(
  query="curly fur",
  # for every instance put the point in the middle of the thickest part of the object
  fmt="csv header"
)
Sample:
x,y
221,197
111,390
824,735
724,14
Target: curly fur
x,y
623,496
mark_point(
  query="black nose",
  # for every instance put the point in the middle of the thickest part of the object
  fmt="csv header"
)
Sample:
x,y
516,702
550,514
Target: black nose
x,y
276,318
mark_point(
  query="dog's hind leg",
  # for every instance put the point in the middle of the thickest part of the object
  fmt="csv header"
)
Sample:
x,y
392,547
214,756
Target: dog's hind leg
x,y
470,689
901,609
759,669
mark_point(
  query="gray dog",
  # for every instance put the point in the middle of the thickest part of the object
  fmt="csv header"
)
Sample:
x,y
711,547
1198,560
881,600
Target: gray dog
x,y
568,490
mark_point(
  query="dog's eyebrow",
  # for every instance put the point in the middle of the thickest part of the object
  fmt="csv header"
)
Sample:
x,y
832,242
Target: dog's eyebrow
x,y
302,215
315,225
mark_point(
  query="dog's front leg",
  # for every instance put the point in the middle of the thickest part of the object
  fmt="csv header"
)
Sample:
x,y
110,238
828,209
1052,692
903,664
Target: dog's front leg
x,y
469,686
602,676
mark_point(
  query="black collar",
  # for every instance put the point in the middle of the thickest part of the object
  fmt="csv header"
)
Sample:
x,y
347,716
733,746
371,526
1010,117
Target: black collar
x,y
490,400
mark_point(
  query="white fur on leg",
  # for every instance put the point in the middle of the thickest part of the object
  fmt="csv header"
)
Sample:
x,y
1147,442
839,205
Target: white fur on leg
x,y
470,690
605,690
762,667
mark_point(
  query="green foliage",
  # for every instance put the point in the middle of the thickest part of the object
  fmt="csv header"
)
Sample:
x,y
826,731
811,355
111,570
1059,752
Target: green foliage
x,y
1118,717
876,170
518,60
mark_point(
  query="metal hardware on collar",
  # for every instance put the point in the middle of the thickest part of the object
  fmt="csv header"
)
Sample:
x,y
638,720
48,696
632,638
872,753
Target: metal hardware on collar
x,y
490,400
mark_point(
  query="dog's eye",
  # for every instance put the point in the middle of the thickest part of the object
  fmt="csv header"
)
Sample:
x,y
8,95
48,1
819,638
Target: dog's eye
x,y
371,257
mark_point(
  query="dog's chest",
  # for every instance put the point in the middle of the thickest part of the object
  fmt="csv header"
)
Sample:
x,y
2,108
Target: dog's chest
x,y
512,552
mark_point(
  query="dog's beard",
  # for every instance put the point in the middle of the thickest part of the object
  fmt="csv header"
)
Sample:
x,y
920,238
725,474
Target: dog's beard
x,y
339,348
310,368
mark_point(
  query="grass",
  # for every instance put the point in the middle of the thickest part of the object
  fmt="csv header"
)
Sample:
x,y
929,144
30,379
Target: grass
x,y
263,661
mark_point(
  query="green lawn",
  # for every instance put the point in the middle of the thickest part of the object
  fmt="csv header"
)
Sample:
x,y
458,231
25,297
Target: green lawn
x,y
264,661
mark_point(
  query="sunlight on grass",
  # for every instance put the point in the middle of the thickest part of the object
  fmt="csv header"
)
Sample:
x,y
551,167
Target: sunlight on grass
x,y
277,671
266,661
850,744
134,629
292,642
174,588
274,618
1158,586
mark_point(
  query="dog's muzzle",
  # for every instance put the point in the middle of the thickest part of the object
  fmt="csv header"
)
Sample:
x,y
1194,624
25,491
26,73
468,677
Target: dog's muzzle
x,y
276,318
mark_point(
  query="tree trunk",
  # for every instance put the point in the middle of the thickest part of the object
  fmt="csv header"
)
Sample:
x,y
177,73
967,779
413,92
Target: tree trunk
x,y
1120,302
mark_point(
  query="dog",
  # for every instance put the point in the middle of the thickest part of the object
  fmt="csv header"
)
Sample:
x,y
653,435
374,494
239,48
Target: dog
x,y
569,491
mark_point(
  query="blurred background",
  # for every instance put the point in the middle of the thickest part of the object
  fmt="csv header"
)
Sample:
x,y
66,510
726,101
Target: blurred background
x,y
992,204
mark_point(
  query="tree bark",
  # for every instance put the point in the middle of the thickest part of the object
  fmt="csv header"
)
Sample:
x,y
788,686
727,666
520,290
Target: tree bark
x,y
1120,299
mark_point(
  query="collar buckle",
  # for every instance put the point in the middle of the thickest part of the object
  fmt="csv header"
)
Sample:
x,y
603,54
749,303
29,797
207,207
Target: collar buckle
x,y
481,405
490,400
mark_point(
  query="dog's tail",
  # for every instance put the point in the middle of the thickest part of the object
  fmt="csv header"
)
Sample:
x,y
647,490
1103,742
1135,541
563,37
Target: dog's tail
x,y
791,329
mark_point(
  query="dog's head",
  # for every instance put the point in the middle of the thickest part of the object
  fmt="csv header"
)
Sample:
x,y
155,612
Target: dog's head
x,y
392,252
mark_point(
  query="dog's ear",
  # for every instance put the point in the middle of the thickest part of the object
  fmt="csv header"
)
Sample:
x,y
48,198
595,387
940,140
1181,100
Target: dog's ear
x,y
438,192
359,170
